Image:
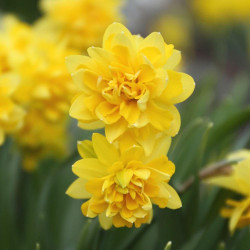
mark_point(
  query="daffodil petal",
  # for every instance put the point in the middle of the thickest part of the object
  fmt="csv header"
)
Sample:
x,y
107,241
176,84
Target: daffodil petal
x,y
77,189
79,111
132,153
85,149
174,201
159,117
106,152
173,60
91,125
105,222
160,148
130,112
77,62
89,168
111,31
113,131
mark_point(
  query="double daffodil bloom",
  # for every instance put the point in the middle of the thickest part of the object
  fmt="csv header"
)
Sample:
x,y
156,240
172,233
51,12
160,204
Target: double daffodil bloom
x,y
45,89
121,187
11,114
80,23
238,181
130,87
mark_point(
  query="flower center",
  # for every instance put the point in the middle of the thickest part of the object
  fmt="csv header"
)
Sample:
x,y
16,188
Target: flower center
x,y
124,86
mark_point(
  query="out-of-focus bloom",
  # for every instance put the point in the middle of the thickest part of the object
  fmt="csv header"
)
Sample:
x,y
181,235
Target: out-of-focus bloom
x,y
45,90
39,139
44,79
122,186
223,11
238,181
80,23
11,115
129,86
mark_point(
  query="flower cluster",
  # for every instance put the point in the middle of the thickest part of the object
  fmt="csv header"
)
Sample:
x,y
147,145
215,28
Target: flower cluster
x,y
70,20
239,182
130,87
44,91
34,56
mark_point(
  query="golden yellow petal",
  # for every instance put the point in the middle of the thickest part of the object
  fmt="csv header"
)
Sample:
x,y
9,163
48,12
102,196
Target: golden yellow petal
x,y
79,111
153,47
89,168
160,118
95,187
77,190
228,182
173,89
130,111
174,201
85,149
91,125
124,176
173,60
237,213
162,167
111,31
161,147
98,206
123,49
175,123
108,112
77,62
106,152
188,86
130,203
151,188
133,153
147,73
87,211
242,173
142,173
105,222
113,131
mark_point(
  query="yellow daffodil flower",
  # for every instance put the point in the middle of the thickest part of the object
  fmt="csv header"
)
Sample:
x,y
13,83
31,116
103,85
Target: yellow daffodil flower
x,y
122,186
223,11
129,86
238,181
80,23
45,90
11,114
38,139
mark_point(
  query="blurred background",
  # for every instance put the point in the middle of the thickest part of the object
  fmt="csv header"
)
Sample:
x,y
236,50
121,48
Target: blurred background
x,y
214,38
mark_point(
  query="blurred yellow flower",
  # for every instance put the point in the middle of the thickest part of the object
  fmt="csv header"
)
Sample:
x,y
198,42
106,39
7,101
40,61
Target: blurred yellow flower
x,y
45,90
80,23
39,139
40,65
11,114
223,11
122,186
238,181
129,85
